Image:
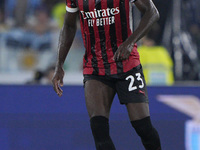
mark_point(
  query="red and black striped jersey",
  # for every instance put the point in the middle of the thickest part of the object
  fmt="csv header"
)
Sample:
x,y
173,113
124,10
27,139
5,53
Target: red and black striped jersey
x,y
105,24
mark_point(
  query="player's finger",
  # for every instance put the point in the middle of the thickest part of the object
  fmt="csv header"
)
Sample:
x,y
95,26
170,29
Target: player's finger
x,y
61,82
55,86
60,91
121,56
117,55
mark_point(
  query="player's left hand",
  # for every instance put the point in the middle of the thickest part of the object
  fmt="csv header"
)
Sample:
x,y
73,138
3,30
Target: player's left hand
x,y
123,52
57,80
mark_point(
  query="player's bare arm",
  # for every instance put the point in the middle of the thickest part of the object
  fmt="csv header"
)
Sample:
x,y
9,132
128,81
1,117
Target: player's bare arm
x,y
150,16
65,41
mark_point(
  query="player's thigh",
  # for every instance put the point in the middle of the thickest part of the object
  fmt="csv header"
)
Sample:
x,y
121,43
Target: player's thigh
x,y
99,98
131,87
132,92
137,111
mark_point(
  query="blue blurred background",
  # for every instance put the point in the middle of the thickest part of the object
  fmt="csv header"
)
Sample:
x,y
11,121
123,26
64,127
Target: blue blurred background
x,y
32,117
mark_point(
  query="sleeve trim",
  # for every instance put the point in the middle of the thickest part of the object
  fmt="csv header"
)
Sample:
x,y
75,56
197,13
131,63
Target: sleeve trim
x,y
72,10
133,1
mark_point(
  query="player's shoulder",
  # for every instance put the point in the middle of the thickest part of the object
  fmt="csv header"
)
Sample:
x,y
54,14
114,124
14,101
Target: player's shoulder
x,y
71,6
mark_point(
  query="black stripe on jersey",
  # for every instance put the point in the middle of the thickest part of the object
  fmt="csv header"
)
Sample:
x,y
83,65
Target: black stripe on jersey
x,y
103,42
73,4
123,19
92,41
113,39
76,2
85,56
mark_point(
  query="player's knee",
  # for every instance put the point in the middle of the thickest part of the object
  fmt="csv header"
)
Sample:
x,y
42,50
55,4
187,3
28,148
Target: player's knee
x,y
148,133
100,127
143,127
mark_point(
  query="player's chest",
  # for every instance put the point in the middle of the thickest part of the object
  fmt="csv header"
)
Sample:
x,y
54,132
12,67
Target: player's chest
x,y
110,5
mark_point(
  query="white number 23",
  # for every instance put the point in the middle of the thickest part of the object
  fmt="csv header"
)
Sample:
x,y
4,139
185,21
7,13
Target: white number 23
x,y
131,85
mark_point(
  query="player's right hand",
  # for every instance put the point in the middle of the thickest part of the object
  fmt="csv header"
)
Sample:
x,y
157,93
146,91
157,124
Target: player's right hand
x,y
57,80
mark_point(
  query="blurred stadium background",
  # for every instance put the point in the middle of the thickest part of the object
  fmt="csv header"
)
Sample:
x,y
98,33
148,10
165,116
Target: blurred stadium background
x,y
32,117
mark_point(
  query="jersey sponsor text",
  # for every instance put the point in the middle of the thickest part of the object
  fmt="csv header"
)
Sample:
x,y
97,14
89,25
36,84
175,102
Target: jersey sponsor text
x,y
101,17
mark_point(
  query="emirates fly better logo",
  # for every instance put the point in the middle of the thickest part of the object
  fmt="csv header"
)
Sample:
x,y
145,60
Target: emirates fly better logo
x,y
100,17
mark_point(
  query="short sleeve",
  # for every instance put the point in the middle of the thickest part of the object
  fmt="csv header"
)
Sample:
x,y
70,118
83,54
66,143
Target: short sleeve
x,y
71,6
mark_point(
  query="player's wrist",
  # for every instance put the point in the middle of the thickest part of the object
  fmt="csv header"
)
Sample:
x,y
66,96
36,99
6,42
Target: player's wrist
x,y
58,68
59,64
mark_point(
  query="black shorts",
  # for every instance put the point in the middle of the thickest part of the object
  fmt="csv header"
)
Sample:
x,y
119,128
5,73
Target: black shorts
x,y
130,86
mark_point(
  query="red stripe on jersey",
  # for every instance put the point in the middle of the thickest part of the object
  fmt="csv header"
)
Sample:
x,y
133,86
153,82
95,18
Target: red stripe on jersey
x,y
82,32
69,3
113,66
84,40
97,45
80,5
84,26
85,59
